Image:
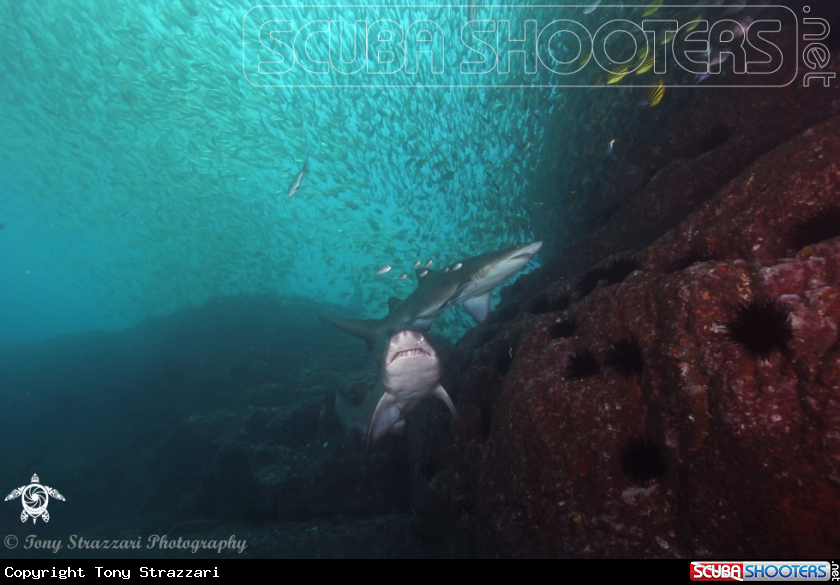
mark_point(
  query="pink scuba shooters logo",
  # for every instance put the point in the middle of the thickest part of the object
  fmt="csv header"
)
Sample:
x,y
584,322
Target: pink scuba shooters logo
x,y
528,46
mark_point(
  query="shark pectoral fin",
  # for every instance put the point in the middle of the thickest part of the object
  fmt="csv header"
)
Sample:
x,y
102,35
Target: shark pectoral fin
x,y
441,394
421,324
478,307
398,429
393,302
367,329
385,416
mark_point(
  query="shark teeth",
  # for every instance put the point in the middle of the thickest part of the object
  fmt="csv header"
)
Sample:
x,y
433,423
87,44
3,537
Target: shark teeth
x,y
408,353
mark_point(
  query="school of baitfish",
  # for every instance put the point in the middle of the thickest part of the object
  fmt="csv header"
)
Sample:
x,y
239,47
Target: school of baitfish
x,y
132,141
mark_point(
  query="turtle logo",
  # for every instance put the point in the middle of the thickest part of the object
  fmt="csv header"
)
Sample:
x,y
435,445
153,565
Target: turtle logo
x,y
35,499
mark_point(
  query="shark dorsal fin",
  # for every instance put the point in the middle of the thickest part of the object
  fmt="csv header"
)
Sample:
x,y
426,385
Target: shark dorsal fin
x,y
423,274
393,302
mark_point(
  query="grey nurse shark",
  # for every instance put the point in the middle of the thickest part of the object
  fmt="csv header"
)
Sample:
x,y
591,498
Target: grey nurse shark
x,y
468,282
410,372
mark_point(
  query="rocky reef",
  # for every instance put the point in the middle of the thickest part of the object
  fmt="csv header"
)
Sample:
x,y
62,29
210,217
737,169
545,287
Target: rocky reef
x,y
649,427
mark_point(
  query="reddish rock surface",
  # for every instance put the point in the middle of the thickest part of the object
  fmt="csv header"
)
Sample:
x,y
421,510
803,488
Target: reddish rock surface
x,y
751,446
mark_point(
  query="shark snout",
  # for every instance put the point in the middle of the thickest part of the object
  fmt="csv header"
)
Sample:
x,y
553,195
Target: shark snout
x,y
408,343
528,251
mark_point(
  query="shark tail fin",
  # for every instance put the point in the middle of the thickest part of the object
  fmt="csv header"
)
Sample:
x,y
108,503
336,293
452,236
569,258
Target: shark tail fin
x,y
367,329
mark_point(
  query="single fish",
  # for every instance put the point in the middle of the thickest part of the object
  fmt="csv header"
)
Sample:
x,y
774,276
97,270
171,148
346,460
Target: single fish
x,y
437,291
403,276
590,8
456,267
427,264
384,269
416,264
411,372
656,94
295,186
609,148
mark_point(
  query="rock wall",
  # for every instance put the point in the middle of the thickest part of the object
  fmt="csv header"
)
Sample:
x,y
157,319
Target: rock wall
x,y
694,446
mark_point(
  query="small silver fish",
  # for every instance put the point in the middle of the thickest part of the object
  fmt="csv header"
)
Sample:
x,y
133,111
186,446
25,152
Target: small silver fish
x,y
427,264
456,267
295,186
403,276
446,269
422,273
384,269
416,264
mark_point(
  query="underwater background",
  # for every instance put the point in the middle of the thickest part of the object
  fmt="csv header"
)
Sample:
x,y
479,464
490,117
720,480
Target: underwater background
x,y
660,380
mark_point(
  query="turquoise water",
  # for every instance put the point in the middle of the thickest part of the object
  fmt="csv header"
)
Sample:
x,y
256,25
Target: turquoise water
x,y
143,172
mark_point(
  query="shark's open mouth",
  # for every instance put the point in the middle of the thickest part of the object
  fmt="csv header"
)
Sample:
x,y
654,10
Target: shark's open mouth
x,y
524,255
409,353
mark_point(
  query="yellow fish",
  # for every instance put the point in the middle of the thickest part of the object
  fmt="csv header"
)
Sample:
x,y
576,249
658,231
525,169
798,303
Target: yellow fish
x,y
614,78
654,6
646,64
669,36
599,80
656,94
585,59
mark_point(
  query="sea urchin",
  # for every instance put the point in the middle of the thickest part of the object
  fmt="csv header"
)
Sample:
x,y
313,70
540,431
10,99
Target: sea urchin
x,y
761,327
626,357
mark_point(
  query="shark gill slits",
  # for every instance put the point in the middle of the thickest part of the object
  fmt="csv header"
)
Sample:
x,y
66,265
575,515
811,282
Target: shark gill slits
x,y
582,364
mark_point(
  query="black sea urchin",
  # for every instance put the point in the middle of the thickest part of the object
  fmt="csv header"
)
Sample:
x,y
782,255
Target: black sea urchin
x,y
582,364
643,458
626,357
822,225
562,329
761,327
